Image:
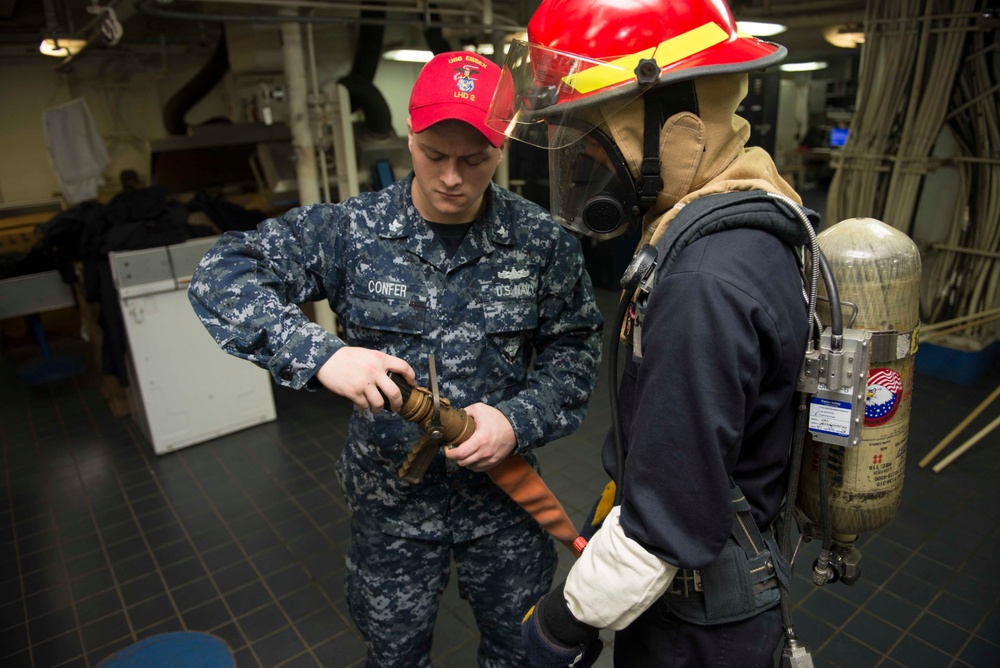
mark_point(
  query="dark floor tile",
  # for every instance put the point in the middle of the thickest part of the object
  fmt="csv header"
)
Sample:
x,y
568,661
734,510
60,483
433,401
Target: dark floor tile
x,y
151,611
104,631
830,608
174,553
164,535
141,589
133,568
55,651
304,660
262,622
92,583
893,609
176,575
206,616
192,594
248,598
245,659
122,532
207,536
812,631
20,659
224,555
981,653
303,602
278,647
258,539
345,649
321,626
234,576
129,548
84,565
273,559
99,605
940,633
911,589
845,651
916,653
231,634
287,580
166,626
52,624
990,627
14,640
37,581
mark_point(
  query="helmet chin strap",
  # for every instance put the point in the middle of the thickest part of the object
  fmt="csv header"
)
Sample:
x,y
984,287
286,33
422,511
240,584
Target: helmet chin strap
x,y
659,104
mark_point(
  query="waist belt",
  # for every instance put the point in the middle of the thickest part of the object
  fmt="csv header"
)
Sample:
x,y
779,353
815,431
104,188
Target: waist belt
x,y
687,584
742,581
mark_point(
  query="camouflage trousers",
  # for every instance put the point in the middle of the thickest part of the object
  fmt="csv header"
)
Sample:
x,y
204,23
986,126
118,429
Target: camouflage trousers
x,y
394,586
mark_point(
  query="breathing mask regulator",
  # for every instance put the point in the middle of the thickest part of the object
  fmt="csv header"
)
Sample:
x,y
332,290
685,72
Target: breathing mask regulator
x,y
854,389
592,190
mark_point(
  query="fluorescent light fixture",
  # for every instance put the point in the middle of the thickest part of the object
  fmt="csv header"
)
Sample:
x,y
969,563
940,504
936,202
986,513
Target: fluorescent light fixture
x,y
843,35
408,55
803,67
61,48
760,29
485,49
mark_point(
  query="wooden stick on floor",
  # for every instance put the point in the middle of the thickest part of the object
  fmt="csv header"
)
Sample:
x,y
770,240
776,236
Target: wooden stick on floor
x,y
965,446
959,429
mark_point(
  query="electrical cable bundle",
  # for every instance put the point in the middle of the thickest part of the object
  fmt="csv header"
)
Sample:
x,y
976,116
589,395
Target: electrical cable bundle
x,y
926,109
965,283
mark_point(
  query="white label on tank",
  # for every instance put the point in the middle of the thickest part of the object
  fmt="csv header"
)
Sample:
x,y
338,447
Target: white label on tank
x,y
828,416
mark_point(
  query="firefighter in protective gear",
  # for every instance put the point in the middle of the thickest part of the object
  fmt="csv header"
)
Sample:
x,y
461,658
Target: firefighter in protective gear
x,y
636,102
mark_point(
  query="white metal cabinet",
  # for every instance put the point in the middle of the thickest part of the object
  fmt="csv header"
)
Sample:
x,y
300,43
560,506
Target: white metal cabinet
x,y
183,389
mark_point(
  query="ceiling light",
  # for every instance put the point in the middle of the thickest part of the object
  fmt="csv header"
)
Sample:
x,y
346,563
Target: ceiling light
x,y
61,47
803,67
408,55
846,36
760,29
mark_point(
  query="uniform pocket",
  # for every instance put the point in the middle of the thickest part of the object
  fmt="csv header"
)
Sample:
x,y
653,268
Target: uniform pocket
x,y
510,325
372,319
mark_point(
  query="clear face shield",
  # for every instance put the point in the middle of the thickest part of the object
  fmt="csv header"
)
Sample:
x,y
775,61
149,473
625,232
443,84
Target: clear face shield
x,y
546,98
542,87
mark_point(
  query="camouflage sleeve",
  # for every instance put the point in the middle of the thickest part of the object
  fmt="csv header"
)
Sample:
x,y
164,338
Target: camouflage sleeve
x,y
568,351
247,288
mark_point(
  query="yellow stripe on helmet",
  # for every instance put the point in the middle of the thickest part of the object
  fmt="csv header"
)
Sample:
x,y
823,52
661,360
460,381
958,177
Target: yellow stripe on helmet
x,y
668,52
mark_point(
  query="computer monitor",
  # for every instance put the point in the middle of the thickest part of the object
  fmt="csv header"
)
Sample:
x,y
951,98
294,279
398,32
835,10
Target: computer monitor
x,y
837,137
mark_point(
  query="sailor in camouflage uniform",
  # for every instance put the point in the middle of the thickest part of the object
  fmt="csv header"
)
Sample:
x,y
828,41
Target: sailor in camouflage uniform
x,y
443,262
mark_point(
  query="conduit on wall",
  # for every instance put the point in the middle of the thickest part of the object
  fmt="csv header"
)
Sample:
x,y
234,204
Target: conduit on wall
x,y
929,72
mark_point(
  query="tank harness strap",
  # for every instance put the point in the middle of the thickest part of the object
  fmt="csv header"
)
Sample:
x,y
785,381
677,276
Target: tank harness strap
x,y
707,215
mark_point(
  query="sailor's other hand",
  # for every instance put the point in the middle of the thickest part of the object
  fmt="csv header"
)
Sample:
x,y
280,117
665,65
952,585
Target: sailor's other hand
x,y
490,444
554,638
360,375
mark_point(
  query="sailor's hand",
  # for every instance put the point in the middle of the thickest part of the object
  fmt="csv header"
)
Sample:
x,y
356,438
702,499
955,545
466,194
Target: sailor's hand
x,y
359,374
490,444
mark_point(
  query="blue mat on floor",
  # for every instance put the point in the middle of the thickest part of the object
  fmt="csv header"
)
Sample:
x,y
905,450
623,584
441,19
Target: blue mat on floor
x,y
189,649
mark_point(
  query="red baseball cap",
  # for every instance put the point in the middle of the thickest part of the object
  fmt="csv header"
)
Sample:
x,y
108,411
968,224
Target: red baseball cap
x,y
455,85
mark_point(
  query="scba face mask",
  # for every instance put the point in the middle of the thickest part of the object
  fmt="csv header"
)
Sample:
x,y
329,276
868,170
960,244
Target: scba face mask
x,y
591,190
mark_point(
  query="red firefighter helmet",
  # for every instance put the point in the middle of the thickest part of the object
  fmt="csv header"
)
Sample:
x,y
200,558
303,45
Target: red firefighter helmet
x,y
584,52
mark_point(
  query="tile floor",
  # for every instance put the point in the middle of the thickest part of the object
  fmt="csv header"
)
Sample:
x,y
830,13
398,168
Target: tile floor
x,y
103,543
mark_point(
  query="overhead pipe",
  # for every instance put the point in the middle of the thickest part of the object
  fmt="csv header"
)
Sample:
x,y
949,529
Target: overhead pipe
x,y
298,111
360,80
190,93
142,6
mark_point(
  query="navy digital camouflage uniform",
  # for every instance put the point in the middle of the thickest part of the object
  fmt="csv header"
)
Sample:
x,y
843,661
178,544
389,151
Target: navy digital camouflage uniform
x,y
512,322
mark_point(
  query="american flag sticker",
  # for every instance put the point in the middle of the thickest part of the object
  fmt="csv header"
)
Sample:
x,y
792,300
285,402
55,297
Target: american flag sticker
x,y
882,399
